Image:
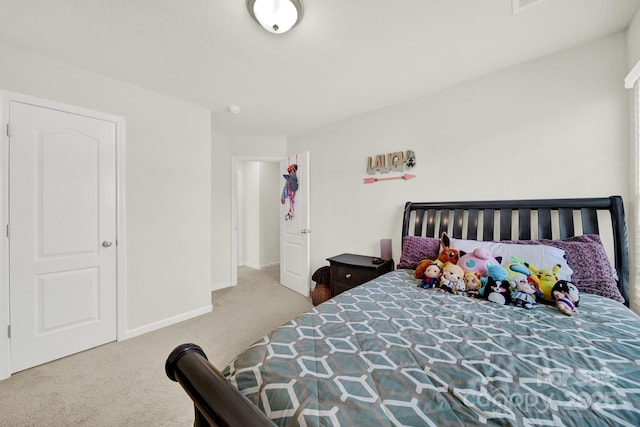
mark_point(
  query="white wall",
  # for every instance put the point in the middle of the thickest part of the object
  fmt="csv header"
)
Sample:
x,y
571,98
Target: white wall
x,y
251,220
553,127
168,183
241,176
633,221
258,212
271,183
220,210
224,149
633,41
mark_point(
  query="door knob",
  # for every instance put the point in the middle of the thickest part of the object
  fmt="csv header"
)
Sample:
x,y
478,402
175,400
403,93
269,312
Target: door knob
x,y
305,231
107,243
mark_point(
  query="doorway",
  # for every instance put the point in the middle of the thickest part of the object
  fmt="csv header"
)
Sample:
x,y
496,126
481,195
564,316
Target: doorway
x,y
256,187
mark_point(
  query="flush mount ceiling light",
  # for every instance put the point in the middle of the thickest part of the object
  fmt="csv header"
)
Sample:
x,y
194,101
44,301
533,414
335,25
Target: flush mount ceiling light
x,y
276,16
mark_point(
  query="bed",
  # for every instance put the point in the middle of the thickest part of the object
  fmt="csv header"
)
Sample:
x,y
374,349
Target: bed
x,y
391,353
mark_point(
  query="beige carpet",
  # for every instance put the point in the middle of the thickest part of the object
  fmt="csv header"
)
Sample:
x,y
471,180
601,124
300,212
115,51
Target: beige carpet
x,y
124,384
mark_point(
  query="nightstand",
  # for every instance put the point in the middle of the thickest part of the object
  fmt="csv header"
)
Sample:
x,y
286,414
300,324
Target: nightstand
x,y
350,270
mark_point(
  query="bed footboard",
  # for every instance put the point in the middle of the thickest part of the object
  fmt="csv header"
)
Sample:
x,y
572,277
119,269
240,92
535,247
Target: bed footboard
x,y
216,401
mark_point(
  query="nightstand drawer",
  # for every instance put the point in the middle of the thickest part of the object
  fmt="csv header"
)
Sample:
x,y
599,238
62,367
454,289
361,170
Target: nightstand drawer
x,y
352,276
350,270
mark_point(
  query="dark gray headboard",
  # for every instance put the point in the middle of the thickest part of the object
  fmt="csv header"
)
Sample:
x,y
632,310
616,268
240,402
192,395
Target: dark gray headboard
x,y
526,220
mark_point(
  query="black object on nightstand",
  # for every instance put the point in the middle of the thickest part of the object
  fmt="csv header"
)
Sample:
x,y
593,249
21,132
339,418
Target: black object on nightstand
x,y
350,270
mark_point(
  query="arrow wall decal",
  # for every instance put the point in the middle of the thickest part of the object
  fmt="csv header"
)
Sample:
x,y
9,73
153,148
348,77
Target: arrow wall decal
x,y
406,177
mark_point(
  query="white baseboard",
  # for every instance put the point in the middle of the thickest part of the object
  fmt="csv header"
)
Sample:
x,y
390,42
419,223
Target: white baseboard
x,y
261,266
168,322
273,264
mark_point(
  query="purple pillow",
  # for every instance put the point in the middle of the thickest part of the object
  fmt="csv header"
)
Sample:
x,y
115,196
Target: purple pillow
x,y
417,248
592,272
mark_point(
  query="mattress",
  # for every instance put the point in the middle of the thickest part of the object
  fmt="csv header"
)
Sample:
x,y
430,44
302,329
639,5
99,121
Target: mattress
x,y
391,353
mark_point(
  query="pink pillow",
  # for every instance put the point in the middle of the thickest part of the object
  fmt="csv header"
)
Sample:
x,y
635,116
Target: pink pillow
x,y
417,248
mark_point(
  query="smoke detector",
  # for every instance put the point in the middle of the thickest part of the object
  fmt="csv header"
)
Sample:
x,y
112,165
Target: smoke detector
x,y
520,5
234,109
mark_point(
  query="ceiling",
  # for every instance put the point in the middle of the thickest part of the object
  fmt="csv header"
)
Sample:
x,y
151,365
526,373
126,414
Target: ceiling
x,y
346,57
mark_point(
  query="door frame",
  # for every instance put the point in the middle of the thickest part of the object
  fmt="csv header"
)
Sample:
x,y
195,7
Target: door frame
x,y
121,277
234,205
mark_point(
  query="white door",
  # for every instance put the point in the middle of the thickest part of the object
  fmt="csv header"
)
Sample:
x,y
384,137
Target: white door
x,y
294,248
62,219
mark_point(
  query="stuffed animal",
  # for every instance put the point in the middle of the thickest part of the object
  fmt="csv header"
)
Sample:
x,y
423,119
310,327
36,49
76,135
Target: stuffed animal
x,y
472,284
451,279
516,266
570,289
566,296
476,261
545,279
496,271
497,288
431,274
525,291
447,254
498,291
564,303
574,293
422,266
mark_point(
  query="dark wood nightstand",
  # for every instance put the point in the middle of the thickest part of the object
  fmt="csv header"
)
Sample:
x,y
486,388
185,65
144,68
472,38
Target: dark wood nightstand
x,y
350,270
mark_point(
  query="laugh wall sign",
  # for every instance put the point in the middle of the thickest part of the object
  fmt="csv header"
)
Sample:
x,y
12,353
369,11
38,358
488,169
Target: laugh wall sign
x,y
397,161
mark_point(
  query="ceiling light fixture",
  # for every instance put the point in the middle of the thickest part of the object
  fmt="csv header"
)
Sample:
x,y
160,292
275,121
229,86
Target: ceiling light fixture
x,y
276,16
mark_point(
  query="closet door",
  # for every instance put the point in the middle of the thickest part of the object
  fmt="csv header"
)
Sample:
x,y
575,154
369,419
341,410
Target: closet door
x,y
62,215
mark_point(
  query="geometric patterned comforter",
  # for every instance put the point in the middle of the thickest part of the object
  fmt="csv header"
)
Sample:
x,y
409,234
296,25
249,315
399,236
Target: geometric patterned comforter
x,y
390,353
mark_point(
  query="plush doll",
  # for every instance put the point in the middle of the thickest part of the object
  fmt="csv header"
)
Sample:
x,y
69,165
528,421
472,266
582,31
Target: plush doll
x,y
476,261
497,288
564,303
451,279
472,285
545,279
422,266
498,291
566,296
496,271
447,254
574,294
516,266
431,274
525,291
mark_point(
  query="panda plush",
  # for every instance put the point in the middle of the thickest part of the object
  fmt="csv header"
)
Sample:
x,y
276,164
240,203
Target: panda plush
x,y
498,291
497,288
